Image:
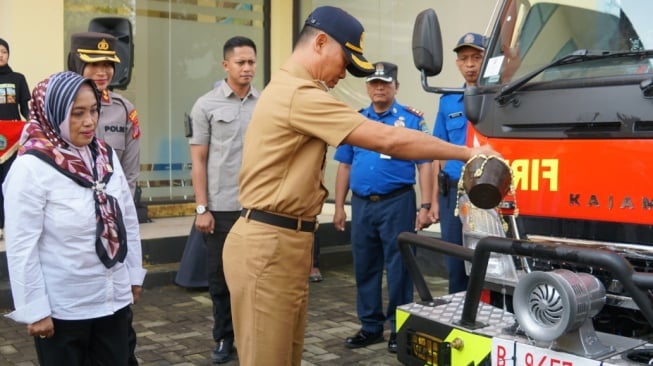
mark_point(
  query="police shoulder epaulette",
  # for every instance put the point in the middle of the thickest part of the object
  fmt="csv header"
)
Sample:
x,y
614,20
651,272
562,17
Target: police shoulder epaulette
x,y
414,111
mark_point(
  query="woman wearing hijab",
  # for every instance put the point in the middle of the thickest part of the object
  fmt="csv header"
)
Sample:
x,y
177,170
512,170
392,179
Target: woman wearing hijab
x,y
72,237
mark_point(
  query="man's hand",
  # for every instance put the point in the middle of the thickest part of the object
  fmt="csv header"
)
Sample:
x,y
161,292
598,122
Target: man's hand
x,y
204,223
339,218
422,221
43,328
434,212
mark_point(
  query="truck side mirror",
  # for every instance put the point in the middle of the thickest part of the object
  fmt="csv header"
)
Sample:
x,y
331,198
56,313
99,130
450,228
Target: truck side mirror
x,y
427,50
427,43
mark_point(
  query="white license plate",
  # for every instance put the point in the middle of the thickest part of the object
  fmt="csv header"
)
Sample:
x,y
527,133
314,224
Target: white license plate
x,y
510,353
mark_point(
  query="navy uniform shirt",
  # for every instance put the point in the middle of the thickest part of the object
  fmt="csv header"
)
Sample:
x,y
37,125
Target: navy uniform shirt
x,y
451,126
376,173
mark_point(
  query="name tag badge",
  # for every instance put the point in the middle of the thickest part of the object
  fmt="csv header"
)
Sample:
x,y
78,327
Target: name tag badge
x,y
384,156
456,115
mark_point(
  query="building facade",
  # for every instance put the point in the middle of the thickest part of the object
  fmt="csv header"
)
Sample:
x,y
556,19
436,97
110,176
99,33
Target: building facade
x,y
178,50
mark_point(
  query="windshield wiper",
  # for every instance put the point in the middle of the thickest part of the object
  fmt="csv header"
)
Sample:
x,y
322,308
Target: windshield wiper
x,y
506,95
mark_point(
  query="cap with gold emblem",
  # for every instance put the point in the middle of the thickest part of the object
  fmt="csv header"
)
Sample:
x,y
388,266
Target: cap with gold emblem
x,y
90,47
347,31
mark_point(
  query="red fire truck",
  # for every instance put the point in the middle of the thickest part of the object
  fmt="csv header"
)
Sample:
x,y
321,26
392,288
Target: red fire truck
x,y
565,94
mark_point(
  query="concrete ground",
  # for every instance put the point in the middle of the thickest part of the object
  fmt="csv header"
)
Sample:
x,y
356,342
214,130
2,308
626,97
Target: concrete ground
x,y
174,324
174,327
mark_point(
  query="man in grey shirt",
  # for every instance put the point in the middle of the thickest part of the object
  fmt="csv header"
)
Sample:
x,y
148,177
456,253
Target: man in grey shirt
x,y
219,120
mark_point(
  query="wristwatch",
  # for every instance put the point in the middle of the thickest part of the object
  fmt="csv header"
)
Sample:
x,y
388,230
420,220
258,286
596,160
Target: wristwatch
x,y
426,206
200,209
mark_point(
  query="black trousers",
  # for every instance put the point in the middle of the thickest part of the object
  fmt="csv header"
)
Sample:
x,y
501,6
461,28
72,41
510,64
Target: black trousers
x,y
131,338
316,251
98,342
222,325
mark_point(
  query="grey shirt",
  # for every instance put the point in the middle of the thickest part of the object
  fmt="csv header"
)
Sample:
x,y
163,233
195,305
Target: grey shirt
x,y
219,119
119,127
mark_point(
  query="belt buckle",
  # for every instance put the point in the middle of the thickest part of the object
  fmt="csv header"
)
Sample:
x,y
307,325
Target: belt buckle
x,y
374,198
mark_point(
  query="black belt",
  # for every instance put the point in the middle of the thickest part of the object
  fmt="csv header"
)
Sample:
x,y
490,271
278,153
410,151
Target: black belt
x,y
296,224
381,197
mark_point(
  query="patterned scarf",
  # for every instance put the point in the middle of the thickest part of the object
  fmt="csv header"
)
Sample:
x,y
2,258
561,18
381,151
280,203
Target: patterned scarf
x,y
52,100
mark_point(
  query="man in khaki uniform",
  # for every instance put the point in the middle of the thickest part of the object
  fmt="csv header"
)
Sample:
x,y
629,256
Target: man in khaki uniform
x,y
268,253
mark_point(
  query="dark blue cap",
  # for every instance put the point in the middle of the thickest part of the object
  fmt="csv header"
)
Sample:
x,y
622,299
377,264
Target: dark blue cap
x,y
384,71
348,31
473,40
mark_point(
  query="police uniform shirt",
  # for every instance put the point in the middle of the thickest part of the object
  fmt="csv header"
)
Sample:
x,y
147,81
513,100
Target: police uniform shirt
x,y
118,126
220,119
285,149
376,173
451,126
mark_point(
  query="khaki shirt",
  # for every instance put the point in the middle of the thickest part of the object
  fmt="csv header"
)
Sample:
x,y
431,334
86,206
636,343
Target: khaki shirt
x,y
286,143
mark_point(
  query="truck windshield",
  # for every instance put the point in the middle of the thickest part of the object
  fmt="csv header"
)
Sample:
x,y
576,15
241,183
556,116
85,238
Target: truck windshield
x,y
533,34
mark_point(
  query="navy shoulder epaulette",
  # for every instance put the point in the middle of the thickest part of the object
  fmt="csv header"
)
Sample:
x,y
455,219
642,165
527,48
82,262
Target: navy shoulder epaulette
x,y
414,111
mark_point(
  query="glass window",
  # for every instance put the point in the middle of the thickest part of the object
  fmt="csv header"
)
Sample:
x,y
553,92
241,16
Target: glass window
x,y
534,33
177,58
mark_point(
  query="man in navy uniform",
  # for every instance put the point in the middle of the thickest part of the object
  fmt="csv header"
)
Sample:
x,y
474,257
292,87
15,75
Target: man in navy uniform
x,y
451,126
383,204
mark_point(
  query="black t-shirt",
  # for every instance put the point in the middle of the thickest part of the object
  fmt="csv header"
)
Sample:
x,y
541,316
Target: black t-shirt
x,y
14,94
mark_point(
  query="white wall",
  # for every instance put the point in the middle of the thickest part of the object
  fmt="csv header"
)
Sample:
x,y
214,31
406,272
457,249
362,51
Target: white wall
x,y
34,31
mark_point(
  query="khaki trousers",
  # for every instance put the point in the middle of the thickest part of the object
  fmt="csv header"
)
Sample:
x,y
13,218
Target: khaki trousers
x,y
267,270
